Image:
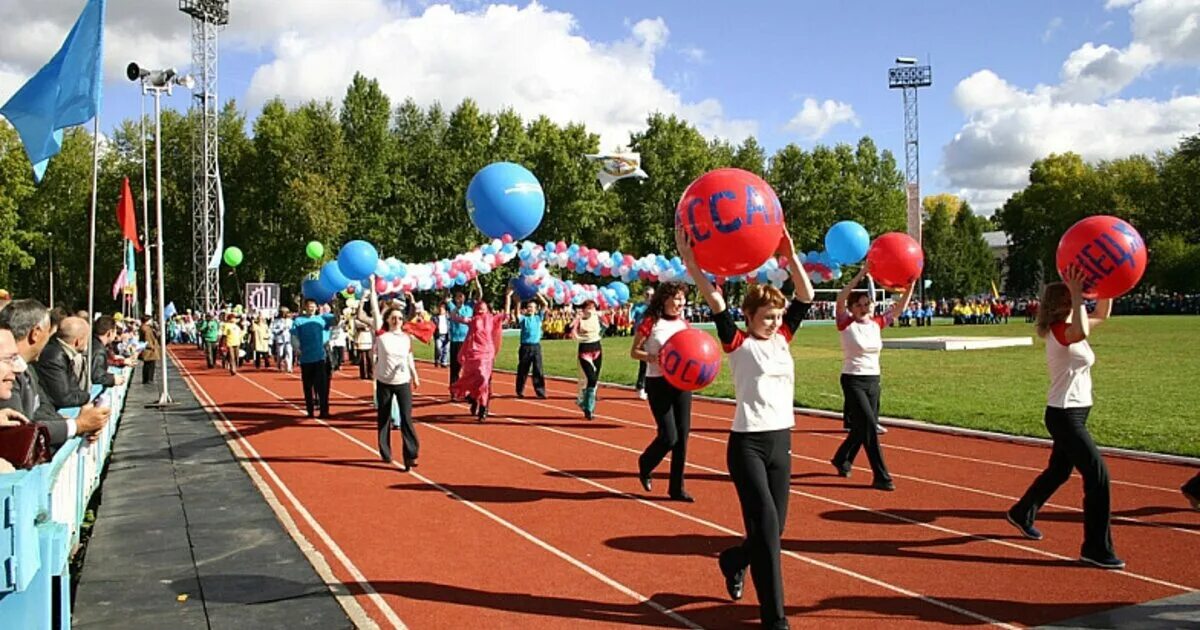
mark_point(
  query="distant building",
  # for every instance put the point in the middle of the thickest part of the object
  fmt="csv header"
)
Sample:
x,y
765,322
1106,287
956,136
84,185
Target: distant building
x,y
999,241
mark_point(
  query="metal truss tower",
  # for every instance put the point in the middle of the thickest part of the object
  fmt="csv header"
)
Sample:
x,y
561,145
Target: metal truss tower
x,y
208,16
907,76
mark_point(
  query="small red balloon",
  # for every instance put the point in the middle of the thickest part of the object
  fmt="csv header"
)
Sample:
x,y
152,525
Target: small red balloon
x,y
1110,252
733,219
690,359
895,260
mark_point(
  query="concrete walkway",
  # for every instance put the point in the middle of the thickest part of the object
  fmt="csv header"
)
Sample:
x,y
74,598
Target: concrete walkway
x,y
183,539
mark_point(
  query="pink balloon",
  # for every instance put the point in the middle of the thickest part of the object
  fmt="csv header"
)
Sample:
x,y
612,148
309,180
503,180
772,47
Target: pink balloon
x,y
380,285
561,247
506,239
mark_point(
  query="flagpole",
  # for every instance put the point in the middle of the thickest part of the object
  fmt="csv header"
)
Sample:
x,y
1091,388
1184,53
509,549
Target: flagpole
x,y
164,399
92,241
145,215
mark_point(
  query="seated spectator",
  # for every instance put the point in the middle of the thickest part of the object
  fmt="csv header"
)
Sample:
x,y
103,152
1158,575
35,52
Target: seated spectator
x,y
61,367
28,322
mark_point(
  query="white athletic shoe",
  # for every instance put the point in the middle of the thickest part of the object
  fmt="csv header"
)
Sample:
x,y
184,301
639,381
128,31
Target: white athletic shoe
x,y
642,394
880,429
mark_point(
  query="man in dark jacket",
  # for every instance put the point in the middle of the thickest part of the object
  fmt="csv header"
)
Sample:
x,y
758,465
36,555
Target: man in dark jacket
x,y
62,363
29,323
102,335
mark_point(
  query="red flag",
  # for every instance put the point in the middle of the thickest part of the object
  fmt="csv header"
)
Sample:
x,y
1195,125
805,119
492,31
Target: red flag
x,y
126,217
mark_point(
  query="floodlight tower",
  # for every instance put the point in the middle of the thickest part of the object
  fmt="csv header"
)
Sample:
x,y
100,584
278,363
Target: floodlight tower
x,y
908,76
207,18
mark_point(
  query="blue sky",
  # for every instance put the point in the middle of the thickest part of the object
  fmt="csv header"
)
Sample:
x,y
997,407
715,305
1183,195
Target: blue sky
x,y
1013,80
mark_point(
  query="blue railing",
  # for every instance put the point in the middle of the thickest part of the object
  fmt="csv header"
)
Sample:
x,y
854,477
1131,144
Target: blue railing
x,y
41,516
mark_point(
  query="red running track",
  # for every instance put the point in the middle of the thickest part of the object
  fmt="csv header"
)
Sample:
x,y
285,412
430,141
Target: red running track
x,y
535,518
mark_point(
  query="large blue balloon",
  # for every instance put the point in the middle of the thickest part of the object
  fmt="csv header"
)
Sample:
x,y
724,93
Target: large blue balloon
x,y
505,198
313,289
847,242
523,289
357,260
622,290
332,278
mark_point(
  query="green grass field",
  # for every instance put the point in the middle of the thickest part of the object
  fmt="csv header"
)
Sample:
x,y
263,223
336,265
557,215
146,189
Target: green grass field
x,y
1145,378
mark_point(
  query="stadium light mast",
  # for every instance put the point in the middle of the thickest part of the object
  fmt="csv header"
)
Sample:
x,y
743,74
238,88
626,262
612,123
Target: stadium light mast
x,y
907,76
207,17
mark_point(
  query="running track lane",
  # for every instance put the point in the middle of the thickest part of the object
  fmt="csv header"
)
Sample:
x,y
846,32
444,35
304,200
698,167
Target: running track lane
x,y
851,554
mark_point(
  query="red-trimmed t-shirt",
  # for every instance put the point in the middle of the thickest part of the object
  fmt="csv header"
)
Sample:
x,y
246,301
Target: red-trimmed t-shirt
x,y
861,343
764,373
657,331
1070,368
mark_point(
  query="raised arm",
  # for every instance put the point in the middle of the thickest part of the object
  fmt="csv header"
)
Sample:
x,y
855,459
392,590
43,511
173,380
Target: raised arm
x,y
1101,313
902,303
802,288
1079,327
844,294
710,293
508,300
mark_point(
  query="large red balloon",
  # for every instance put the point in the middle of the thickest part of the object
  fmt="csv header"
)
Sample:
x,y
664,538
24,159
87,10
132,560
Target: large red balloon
x,y
733,219
895,260
1109,251
690,359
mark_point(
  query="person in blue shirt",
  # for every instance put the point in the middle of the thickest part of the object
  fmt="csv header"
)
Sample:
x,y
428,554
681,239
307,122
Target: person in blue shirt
x,y
459,311
529,354
311,331
638,313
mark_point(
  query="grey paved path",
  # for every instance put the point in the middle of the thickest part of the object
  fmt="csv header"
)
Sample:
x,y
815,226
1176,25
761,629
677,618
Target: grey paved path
x,y
179,516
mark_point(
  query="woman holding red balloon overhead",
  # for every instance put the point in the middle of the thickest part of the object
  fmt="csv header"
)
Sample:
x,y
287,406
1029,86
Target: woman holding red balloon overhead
x,y
1064,323
862,341
586,330
759,449
671,407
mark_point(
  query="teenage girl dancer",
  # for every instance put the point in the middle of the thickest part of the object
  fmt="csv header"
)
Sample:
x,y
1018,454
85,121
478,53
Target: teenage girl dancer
x,y
759,450
586,329
1062,320
671,407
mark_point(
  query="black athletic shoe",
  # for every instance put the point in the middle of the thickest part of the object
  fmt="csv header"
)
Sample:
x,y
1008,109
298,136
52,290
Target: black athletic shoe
x,y
734,582
1192,497
483,413
646,483
682,497
1028,531
842,471
474,407
1110,561
883,484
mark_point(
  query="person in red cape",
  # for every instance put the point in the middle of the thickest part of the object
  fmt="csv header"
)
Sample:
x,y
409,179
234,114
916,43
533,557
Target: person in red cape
x,y
478,356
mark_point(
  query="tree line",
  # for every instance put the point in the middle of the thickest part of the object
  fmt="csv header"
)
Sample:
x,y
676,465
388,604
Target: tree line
x,y
396,176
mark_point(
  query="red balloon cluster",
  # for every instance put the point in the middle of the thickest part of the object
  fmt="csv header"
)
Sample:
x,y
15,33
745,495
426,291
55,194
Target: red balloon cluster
x,y
690,359
1109,251
895,260
733,219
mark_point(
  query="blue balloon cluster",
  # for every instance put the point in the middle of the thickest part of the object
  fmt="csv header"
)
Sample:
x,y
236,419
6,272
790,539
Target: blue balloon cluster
x,y
505,198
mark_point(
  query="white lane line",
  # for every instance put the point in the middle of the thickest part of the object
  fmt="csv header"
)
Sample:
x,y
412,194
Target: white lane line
x,y
1068,508
996,541
577,563
247,454
725,530
1173,491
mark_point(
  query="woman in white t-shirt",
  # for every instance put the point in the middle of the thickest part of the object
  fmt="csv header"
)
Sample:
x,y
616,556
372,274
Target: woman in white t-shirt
x,y
671,407
759,453
862,340
395,377
1062,320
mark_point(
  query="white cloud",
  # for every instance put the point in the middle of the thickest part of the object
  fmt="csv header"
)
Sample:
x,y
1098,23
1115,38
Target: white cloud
x,y
1009,127
814,119
692,53
1054,25
531,59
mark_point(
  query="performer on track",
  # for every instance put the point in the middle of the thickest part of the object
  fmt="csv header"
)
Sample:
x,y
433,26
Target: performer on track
x,y
586,330
1063,321
478,357
671,407
759,451
395,377
309,331
862,341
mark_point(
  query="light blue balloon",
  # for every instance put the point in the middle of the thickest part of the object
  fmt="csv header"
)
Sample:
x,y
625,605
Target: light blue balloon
x,y
505,198
357,260
332,277
847,242
622,290
401,270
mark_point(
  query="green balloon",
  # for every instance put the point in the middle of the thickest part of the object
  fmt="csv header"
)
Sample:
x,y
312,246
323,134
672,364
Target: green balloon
x,y
315,250
233,256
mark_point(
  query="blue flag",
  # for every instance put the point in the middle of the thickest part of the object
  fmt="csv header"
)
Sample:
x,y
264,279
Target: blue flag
x,y
169,312
64,93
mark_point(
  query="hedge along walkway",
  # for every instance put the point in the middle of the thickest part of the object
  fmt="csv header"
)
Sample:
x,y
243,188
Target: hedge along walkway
x,y
1144,378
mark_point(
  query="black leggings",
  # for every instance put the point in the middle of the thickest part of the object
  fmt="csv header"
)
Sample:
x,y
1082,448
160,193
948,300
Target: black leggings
x,y
862,410
455,366
672,409
1073,449
384,394
761,467
591,368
